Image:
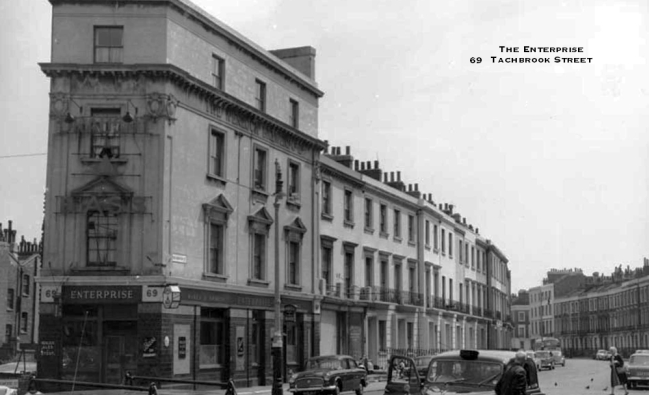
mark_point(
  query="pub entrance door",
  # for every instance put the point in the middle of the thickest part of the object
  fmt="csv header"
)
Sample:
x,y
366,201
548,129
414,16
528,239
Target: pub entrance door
x,y
120,348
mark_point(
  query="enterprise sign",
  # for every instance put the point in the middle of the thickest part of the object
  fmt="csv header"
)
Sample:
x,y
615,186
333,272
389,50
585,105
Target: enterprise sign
x,y
102,294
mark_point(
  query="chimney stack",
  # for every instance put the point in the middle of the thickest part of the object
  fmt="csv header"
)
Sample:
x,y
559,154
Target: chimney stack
x,y
346,160
375,173
356,164
413,190
397,184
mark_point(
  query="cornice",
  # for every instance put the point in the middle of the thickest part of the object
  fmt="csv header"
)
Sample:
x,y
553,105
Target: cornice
x,y
190,84
386,194
340,175
208,22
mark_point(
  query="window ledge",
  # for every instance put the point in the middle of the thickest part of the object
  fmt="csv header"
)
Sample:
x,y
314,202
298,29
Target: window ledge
x,y
369,231
221,278
326,216
411,243
259,195
90,160
384,235
295,203
397,239
427,246
10,309
258,283
293,287
218,179
436,250
348,224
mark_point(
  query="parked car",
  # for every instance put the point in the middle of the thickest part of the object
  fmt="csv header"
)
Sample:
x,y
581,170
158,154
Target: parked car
x,y
559,358
329,374
455,372
637,370
546,360
532,356
602,355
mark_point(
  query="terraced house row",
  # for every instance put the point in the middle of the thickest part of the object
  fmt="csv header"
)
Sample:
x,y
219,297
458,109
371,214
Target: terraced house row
x,y
185,171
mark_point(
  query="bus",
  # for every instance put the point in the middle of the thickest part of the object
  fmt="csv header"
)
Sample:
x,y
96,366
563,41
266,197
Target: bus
x,y
546,343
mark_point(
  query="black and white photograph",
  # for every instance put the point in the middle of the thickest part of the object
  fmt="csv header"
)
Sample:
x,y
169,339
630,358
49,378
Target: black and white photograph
x,y
313,197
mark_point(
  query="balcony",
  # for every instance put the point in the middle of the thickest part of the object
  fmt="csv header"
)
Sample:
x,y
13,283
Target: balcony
x,y
397,296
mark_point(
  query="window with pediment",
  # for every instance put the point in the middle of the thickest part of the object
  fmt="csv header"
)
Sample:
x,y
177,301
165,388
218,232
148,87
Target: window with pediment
x,y
101,228
216,214
259,226
294,233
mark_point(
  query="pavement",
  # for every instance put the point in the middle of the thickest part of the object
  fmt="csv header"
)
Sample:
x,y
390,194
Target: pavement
x,y
371,379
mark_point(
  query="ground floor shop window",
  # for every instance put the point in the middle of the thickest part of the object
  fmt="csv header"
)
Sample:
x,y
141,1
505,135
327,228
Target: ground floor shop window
x,y
81,352
212,344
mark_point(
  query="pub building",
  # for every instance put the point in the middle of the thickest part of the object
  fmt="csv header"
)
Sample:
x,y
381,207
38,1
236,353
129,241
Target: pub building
x,y
167,133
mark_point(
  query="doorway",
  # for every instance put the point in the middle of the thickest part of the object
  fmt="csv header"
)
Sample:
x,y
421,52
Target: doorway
x,y
120,348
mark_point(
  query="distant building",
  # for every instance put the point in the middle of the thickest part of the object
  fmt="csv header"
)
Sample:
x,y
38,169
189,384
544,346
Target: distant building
x,y
606,311
521,317
19,266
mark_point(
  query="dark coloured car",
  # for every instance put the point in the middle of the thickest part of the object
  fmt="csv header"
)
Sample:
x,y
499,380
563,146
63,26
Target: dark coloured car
x,y
546,361
455,372
329,374
637,370
602,355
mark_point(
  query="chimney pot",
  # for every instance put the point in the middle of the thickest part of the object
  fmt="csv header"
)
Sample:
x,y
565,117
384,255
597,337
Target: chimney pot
x,y
450,208
409,187
348,150
376,164
356,164
464,220
399,176
416,187
369,165
391,176
385,177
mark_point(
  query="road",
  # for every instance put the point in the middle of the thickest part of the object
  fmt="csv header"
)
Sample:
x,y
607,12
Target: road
x,y
578,377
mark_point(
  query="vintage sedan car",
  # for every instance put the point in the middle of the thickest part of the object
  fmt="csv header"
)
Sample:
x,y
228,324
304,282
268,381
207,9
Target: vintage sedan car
x,y
455,372
547,361
559,358
637,370
329,374
602,355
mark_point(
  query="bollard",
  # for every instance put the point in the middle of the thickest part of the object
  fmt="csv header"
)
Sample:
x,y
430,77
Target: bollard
x,y
128,378
231,389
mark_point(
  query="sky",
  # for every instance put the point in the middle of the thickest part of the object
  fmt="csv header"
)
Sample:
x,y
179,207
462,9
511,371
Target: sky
x,y
549,160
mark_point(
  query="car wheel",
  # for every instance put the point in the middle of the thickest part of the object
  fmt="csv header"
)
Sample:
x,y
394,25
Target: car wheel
x,y
359,390
337,390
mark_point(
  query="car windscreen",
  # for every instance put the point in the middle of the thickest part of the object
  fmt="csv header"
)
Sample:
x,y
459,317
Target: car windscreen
x,y
542,354
323,364
466,372
642,360
420,362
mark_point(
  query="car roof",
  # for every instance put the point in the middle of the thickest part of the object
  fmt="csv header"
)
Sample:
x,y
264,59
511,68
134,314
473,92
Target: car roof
x,y
483,355
330,357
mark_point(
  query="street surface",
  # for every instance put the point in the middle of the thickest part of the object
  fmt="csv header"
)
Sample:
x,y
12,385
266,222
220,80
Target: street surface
x,y
580,376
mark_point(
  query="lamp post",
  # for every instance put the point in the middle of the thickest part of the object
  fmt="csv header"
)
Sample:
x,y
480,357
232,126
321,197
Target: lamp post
x,y
276,350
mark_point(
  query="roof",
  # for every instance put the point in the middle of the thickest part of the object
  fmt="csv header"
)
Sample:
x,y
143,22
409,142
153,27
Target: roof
x,y
484,355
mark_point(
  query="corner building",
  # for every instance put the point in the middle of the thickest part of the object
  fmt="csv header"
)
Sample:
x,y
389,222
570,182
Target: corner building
x,y
166,131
